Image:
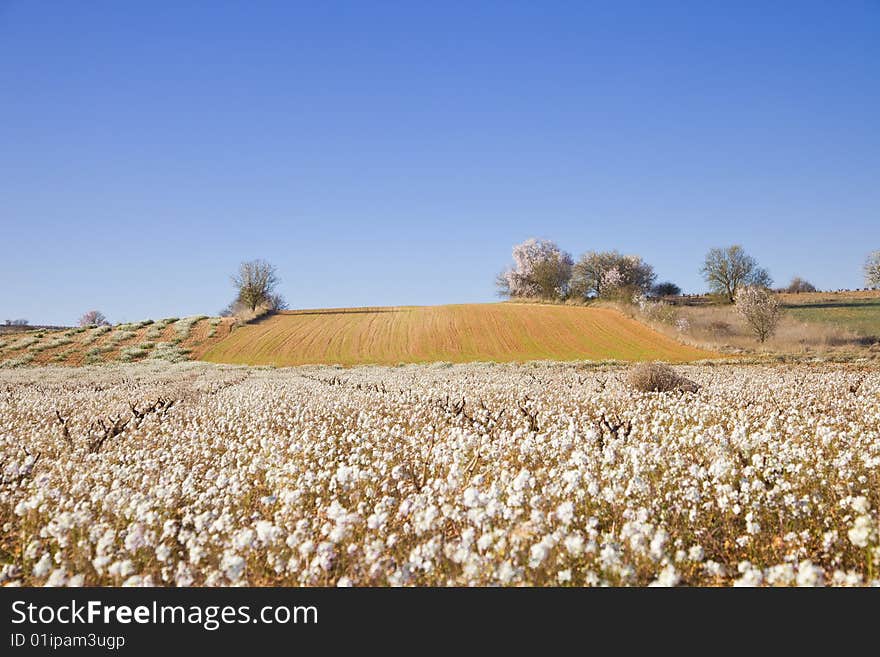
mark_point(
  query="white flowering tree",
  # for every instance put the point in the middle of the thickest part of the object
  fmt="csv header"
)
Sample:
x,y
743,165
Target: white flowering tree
x,y
872,270
608,273
540,270
612,281
760,309
93,318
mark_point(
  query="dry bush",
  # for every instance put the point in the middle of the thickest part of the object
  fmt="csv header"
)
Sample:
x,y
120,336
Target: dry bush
x,y
657,377
718,327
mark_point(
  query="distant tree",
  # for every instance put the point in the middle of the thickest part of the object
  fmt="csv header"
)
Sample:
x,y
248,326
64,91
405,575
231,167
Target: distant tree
x,y
276,302
727,269
540,270
666,289
608,273
236,308
872,270
760,308
16,322
93,318
798,285
255,283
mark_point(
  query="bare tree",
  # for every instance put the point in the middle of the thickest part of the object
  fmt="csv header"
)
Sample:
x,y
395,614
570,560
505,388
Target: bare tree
x,y
276,302
726,270
760,308
273,303
872,270
255,282
606,273
93,318
799,285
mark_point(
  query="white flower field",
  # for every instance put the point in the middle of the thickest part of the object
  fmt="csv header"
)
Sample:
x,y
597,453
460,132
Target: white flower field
x,y
540,474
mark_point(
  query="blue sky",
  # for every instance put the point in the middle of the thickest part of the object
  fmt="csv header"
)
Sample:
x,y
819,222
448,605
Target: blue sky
x,y
384,153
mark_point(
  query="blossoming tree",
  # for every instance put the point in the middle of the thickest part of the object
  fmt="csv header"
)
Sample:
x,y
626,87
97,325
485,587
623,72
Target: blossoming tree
x,y
540,270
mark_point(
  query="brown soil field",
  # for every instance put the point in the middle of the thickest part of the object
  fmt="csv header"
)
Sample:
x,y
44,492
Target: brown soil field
x,y
500,332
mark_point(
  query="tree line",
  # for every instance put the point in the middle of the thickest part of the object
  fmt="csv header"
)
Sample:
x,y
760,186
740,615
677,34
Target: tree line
x,y
541,270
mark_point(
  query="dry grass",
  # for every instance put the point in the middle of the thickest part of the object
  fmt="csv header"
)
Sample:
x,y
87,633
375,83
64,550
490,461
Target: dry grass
x,y
721,328
501,332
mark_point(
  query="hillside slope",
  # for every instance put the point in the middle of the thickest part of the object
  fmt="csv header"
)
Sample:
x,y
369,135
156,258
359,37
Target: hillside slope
x,y
499,332
169,339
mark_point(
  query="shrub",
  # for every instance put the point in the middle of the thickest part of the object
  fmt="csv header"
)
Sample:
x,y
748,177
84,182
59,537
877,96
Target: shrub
x,y
51,344
120,336
718,327
24,359
24,343
656,311
657,377
184,326
128,354
169,352
155,331
760,308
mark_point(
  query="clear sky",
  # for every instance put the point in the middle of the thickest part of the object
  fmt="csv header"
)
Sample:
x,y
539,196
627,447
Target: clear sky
x,y
384,153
